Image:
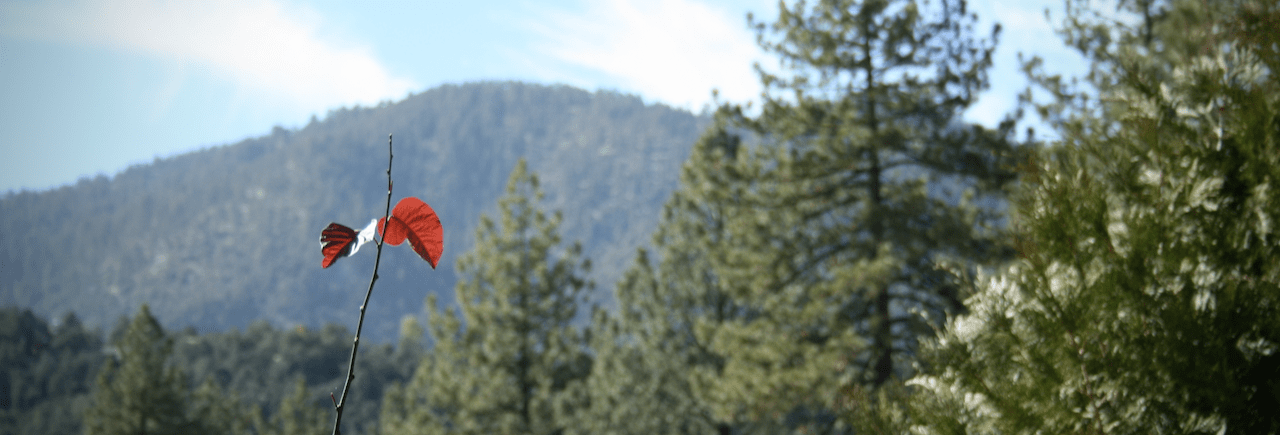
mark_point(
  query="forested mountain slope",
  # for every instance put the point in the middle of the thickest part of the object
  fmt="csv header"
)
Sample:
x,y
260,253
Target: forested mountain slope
x,y
222,236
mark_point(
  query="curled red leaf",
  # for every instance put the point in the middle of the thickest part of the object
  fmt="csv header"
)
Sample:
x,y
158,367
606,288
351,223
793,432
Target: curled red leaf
x,y
335,243
415,221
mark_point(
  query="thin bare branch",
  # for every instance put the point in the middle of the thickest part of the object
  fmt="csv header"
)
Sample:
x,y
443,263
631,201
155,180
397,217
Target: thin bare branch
x,y
355,345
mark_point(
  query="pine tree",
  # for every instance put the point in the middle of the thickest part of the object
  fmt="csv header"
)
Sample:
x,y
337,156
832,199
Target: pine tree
x,y
829,233
517,364
655,365
140,393
409,350
297,415
213,410
640,376
1147,299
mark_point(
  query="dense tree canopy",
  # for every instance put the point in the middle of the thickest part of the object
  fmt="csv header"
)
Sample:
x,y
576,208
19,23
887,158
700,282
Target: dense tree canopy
x,y
1146,300
46,374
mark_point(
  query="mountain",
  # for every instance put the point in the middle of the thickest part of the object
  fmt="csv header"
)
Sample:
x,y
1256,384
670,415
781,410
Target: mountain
x,y
226,235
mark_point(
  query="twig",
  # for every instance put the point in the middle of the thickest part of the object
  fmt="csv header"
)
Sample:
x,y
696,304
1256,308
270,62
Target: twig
x,y
351,368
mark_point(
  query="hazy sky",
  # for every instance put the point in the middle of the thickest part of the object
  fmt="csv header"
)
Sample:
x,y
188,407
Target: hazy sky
x,y
92,87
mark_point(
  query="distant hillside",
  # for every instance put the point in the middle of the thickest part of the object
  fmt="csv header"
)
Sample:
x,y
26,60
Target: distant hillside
x,y
220,237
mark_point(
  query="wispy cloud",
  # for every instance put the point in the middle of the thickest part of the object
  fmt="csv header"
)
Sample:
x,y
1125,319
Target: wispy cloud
x,y
672,51
265,47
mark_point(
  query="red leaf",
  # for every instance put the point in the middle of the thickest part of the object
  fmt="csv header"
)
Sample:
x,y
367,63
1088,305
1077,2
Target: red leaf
x,y
415,221
335,243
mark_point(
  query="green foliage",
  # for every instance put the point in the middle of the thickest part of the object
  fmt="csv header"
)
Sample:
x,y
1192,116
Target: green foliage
x,y
297,415
654,357
796,270
141,392
249,378
262,365
792,273
639,381
212,410
517,364
252,381
45,376
1147,300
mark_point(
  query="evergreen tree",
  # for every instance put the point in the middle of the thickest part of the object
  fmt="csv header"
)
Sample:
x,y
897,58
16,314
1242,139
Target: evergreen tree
x,y
1147,300
297,415
517,364
23,337
809,262
140,393
46,374
67,373
212,410
654,357
640,377
409,350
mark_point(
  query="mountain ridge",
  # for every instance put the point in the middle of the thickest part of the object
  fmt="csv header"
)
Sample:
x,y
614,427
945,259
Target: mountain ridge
x,y
225,235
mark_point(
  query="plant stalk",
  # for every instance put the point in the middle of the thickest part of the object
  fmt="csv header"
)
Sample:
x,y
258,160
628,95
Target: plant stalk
x,y
355,345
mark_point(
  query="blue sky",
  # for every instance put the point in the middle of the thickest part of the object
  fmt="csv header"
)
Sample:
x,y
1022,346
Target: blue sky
x,y
92,87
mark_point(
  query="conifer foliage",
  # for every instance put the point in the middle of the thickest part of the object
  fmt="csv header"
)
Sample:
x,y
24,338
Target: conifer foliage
x,y
1147,300
296,415
826,237
652,353
511,363
141,393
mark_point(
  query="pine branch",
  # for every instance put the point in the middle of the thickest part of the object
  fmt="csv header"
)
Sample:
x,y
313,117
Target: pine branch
x,y
355,345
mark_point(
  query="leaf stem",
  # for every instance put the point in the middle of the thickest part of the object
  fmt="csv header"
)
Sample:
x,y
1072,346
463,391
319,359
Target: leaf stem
x,y
355,345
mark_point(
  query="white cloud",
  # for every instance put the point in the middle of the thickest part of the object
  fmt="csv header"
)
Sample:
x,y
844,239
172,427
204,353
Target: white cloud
x,y
672,51
262,45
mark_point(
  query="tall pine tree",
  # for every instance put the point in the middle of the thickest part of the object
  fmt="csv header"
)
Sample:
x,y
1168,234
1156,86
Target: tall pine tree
x,y
654,351
140,393
1148,298
792,272
512,363
816,252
